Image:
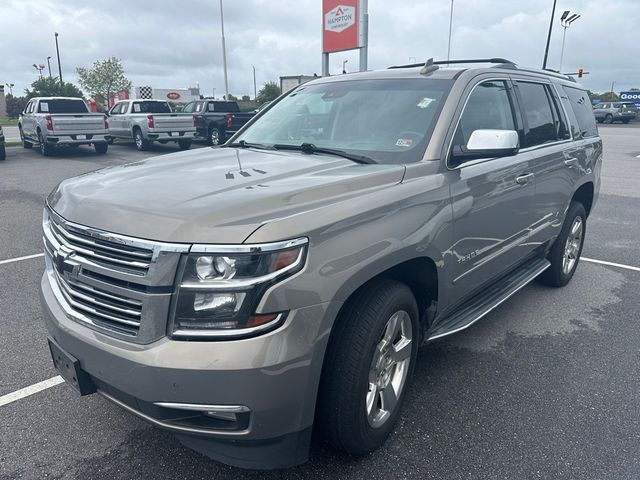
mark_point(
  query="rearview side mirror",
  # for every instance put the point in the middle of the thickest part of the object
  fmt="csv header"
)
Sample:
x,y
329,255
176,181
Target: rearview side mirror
x,y
486,144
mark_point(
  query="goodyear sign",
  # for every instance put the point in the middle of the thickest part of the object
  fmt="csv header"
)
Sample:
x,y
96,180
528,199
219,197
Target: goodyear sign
x,y
633,96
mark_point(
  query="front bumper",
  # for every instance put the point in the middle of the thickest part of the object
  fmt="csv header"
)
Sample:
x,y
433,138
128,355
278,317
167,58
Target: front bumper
x,y
275,376
80,139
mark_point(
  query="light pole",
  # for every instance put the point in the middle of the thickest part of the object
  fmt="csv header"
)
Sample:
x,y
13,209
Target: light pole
x,y
224,55
566,21
450,27
255,89
10,85
58,54
344,62
546,50
39,68
612,84
49,65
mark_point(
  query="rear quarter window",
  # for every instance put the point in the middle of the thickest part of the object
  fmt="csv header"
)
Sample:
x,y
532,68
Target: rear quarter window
x,y
581,106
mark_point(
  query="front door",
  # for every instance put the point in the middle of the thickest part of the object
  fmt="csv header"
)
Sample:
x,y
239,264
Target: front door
x,y
492,199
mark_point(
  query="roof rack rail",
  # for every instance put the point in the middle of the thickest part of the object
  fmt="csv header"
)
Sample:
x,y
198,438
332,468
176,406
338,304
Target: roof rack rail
x,y
447,62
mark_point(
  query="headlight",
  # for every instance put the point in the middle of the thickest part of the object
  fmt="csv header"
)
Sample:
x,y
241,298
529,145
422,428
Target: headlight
x,y
221,286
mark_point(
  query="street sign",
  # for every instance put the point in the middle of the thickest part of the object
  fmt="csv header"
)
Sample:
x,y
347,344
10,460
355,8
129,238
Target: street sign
x,y
342,25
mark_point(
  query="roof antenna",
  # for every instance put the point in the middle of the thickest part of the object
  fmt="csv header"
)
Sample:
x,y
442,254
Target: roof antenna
x,y
429,67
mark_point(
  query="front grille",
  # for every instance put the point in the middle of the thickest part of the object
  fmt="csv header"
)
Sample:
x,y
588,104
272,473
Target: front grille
x,y
104,309
108,254
119,285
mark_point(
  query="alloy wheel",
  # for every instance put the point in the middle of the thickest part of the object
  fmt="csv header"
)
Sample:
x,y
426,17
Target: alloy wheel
x,y
573,245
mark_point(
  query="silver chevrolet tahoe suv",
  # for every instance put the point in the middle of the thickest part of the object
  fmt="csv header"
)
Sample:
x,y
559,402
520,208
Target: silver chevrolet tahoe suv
x,y
241,295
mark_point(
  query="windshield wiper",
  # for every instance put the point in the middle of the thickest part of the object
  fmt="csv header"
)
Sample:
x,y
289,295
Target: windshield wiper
x,y
243,144
311,148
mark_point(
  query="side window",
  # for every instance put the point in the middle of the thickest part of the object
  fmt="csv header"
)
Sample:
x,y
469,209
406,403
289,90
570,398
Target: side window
x,y
541,125
581,107
116,110
189,107
488,107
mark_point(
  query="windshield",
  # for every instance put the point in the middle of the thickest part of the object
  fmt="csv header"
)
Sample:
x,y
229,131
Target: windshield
x,y
389,120
151,107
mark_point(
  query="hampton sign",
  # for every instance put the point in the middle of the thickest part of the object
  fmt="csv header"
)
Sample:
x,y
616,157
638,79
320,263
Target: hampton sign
x,y
341,25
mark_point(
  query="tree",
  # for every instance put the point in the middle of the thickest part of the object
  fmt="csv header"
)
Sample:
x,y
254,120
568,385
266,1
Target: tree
x,y
52,87
104,78
231,97
15,105
270,91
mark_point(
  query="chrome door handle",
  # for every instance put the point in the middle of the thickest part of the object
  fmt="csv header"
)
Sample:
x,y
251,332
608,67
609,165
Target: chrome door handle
x,y
571,162
524,179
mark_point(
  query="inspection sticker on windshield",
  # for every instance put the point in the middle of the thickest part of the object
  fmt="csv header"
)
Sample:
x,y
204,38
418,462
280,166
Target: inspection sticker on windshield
x,y
404,142
425,102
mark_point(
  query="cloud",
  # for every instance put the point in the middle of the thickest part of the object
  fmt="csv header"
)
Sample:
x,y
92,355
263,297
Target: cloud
x,y
176,44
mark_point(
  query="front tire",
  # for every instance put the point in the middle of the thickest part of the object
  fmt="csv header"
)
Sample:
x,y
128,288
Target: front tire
x,y
567,248
608,119
3,152
368,367
101,148
25,143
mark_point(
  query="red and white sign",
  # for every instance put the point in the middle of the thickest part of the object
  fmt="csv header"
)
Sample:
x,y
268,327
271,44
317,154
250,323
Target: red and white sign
x,y
173,95
341,25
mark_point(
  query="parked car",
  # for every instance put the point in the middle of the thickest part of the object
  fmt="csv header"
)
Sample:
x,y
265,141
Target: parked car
x,y
49,122
148,121
262,106
3,152
235,296
609,112
216,120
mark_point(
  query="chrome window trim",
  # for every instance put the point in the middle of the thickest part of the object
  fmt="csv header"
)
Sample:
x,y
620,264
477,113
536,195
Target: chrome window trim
x,y
197,407
227,334
249,247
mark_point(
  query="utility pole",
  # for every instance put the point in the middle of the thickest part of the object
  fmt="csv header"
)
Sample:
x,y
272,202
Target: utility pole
x,y
58,54
612,84
450,28
546,50
224,55
49,65
255,89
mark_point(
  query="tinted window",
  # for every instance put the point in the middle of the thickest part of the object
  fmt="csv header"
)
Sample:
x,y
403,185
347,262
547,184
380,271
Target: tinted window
x,y
225,107
62,106
582,109
488,107
189,107
541,126
151,107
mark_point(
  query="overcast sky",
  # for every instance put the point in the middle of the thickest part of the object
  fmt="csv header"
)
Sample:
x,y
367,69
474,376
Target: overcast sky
x,y
171,43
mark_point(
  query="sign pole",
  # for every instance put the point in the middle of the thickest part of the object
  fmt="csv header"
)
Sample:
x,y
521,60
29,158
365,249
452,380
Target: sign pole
x,y
364,25
325,64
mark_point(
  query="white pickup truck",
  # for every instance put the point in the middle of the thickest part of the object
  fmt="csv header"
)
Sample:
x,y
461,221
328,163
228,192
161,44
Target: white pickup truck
x,y
53,121
148,121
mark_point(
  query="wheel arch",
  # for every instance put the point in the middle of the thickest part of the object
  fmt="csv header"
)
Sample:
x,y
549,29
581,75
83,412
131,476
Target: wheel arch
x,y
584,195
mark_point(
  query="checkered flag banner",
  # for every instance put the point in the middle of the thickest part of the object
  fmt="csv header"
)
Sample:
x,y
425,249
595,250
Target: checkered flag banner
x,y
145,92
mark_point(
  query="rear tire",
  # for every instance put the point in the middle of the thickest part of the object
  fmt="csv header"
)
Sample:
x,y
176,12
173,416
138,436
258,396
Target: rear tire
x,y
45,150
3,152
567,248
184,144
368,367
141,143
608,119
101,148
625,121
214,136
25,143
110,140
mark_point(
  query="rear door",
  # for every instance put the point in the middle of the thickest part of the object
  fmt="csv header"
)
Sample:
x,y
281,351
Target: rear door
x,y
555,156
492,199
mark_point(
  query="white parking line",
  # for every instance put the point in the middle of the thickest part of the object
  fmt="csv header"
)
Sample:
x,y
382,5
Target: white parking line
x,y
611,264
30,390
17,259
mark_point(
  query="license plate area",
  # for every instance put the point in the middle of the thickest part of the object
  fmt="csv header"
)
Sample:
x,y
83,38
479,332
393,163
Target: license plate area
x,y
69,368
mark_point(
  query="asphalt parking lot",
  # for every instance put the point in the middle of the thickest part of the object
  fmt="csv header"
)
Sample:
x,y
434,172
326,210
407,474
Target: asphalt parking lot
x,y
546,386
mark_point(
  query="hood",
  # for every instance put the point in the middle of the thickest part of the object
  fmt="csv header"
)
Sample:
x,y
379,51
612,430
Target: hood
x,y
212,195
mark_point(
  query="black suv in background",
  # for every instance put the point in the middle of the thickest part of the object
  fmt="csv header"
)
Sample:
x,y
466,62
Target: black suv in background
x,y
216,120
